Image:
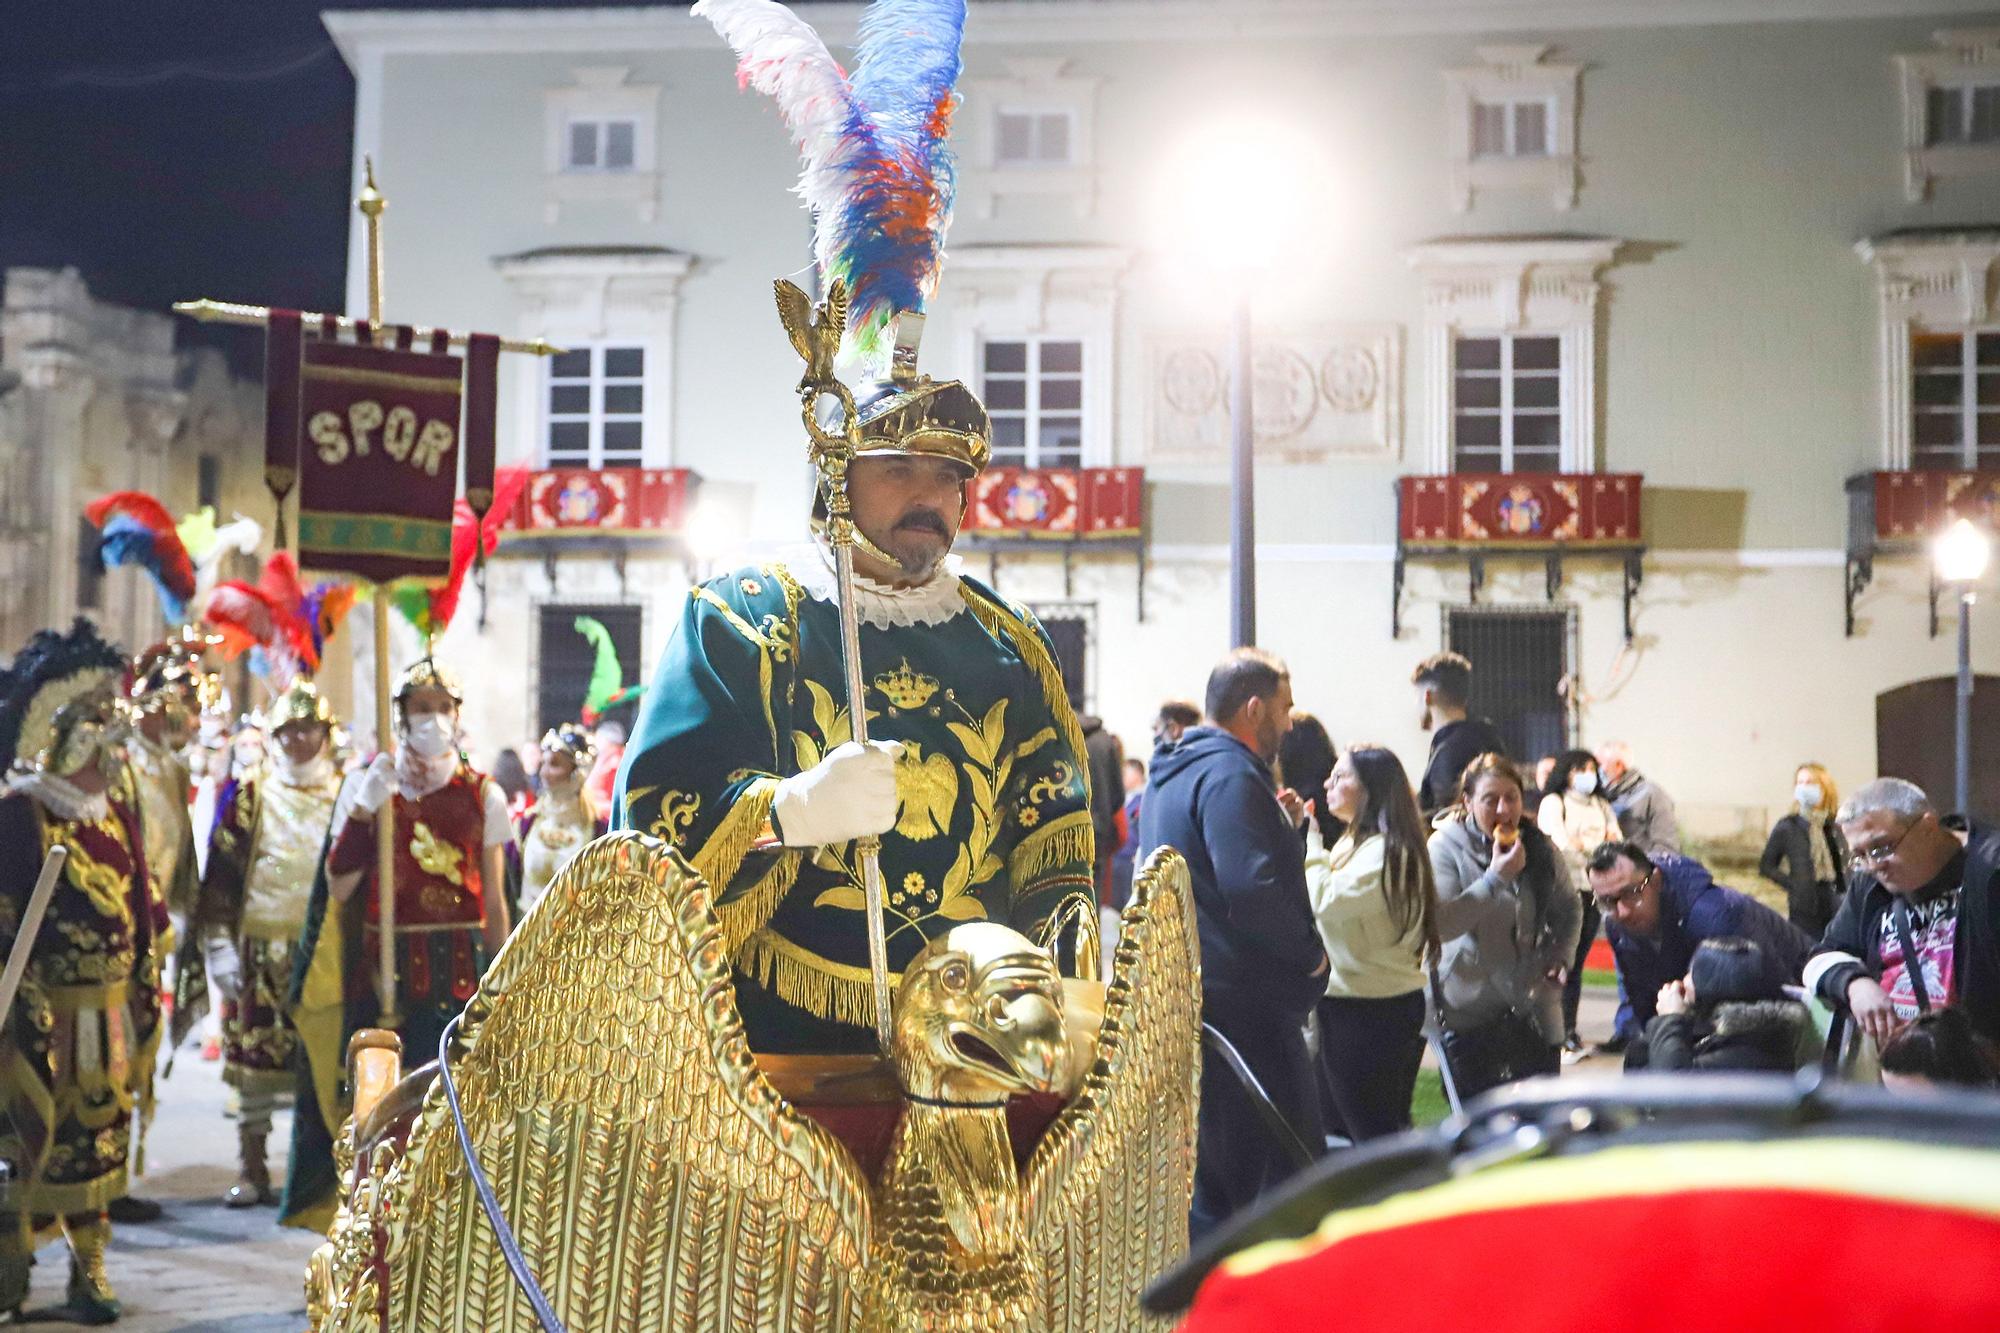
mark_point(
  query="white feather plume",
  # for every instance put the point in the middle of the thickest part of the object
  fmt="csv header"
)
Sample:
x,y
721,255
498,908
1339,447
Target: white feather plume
x,y
780,55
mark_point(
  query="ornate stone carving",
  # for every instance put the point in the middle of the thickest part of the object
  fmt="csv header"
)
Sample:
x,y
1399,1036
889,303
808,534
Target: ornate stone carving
x,y
1317,392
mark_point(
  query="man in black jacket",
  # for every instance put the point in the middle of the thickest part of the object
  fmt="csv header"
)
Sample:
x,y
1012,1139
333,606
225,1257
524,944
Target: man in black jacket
x,y
1444,689
1212,798
1919,894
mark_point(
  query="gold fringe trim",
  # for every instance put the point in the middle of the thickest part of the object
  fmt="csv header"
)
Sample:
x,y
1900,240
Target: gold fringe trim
x,y
722,855
1004,623
745,916
803,979
1068,841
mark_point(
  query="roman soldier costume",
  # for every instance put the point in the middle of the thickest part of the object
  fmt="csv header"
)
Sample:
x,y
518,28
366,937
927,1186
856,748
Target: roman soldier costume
x,y
90,1001
447,815
556,827
270,832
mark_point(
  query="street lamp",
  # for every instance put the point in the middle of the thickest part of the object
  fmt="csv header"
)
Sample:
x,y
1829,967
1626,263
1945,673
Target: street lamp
x,y
1960,555
1231,204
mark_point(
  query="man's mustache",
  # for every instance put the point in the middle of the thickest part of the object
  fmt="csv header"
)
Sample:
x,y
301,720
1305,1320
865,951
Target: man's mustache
x,y
927,520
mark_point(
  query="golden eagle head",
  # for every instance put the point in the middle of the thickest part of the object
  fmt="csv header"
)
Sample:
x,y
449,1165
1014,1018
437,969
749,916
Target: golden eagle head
x,y
979,1017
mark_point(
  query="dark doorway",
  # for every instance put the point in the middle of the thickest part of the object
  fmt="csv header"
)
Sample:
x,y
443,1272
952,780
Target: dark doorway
x,y
1915,726
566,658
1071,627
1520,658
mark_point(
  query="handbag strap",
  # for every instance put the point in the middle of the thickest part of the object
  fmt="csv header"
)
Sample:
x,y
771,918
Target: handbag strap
x,y
1913,963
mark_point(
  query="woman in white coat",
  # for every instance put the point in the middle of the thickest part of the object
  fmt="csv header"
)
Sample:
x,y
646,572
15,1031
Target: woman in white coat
x,y
1373,897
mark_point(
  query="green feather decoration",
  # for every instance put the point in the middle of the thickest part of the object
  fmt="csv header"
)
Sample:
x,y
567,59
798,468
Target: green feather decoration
x,y
606,676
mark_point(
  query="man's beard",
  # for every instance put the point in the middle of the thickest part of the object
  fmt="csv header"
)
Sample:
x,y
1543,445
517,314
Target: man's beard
x,y
917,546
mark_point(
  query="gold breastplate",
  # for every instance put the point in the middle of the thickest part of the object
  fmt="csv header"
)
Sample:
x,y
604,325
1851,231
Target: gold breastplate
x,y
291,826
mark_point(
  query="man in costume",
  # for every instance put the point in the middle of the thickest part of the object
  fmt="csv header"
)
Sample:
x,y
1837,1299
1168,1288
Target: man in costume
x,y
270,830
451,837
975,772
91,995
564,818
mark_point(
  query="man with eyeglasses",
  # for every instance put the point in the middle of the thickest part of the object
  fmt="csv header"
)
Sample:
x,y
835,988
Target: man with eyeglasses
x,y
1657,911
1920,925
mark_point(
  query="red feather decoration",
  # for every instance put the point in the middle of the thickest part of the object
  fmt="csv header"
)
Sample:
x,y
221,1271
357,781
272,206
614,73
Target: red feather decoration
x,y
138,530
429,608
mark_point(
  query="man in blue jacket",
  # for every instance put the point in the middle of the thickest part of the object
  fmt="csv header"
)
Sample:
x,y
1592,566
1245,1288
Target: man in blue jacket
x,y
1212,797
1658,909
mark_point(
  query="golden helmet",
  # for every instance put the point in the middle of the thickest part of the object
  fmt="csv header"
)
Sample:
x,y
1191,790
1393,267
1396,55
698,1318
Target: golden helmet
x,y
301,702
428,671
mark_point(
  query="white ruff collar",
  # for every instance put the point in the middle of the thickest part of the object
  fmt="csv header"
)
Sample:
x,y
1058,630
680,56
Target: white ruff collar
x,y
63,798
878,604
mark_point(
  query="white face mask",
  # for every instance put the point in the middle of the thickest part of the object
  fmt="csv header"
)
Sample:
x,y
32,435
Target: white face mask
x,y
1584,783
431,735
1808,795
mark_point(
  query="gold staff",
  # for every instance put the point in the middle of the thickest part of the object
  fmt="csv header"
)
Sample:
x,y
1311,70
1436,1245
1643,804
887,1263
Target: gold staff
x,y
832,452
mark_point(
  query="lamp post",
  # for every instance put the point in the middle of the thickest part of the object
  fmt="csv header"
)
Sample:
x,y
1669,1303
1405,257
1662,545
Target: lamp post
x,y
1960,555
1214,228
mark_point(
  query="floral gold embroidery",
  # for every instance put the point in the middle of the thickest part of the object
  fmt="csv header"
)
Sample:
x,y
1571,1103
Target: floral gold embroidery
x,y
436,856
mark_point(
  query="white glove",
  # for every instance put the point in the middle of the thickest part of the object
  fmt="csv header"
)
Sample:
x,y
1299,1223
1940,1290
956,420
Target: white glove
x,y
847,795
375,785
225,968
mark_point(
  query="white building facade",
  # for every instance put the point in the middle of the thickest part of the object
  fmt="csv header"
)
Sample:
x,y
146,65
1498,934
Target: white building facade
x,y
1738,251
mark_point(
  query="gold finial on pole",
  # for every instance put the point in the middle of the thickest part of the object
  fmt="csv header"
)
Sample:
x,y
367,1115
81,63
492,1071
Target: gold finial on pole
x,y
371,203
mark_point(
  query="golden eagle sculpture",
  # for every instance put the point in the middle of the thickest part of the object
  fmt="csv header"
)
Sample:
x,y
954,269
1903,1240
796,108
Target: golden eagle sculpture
x,y
658,1180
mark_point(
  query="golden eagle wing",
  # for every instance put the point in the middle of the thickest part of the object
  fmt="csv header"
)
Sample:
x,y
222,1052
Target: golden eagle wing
x,y
795,312
1108,1187
655,1179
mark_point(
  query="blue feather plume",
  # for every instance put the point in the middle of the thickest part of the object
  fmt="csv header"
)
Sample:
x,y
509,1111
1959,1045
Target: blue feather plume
x,y
128,541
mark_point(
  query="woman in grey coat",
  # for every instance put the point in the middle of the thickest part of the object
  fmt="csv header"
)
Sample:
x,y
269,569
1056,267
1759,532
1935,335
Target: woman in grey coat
x,y
1509,917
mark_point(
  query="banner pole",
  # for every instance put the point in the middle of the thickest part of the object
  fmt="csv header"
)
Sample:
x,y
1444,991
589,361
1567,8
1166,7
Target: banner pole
x,y
371,203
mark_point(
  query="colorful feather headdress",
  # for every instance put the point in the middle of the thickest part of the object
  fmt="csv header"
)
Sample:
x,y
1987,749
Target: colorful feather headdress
x,y
607,688
878,172
137,530
283,624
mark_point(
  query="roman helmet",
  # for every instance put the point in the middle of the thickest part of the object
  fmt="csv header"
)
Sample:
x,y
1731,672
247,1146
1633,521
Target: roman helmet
x,y
172,678
574,740
427,671
59,705
300,702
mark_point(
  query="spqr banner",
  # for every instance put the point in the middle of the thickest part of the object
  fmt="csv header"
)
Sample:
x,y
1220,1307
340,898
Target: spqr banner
x,y
378,460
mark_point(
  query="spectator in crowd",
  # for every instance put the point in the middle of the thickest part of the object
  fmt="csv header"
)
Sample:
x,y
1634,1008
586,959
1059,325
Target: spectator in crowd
x,y
1376,904
1579,821
1444,688
1645,812
512,775
1657,914
1104,753
1939,1049
1918,896
1212,796
1730,1014
1305,763
1805,852
603,780
1508,917
1531,799
1124,862
1175,716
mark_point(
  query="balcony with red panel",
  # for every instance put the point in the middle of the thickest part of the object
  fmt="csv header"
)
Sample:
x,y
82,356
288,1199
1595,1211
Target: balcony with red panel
x,y
611,512
1063,511
1552,516
1897,513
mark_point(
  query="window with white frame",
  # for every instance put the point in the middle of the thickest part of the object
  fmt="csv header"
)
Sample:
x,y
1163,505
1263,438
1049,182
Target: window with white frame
x,y
1955,400
1510,352
1506,403
1951,109
1516,128
601,145
1940,347
1512,125
1031,138
596,407
1033,389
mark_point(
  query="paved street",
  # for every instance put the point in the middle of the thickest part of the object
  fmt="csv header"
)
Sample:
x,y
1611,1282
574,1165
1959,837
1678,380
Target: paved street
x,y
201,1267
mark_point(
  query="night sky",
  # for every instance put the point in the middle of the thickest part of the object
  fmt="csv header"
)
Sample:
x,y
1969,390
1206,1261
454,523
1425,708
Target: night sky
x,y
170,149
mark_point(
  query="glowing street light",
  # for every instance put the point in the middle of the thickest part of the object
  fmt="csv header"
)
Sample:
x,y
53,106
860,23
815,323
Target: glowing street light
x,y
1232,204
1960,555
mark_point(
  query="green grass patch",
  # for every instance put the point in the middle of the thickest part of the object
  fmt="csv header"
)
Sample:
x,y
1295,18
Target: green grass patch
x,y
1600,976
1428,1105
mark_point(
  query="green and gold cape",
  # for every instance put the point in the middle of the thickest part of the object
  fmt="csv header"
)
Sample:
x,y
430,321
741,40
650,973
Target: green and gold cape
x,y
994,814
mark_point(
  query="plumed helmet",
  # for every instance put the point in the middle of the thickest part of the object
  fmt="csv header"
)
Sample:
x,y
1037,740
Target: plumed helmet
x,y
428,671
176,665
59,686
300,702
